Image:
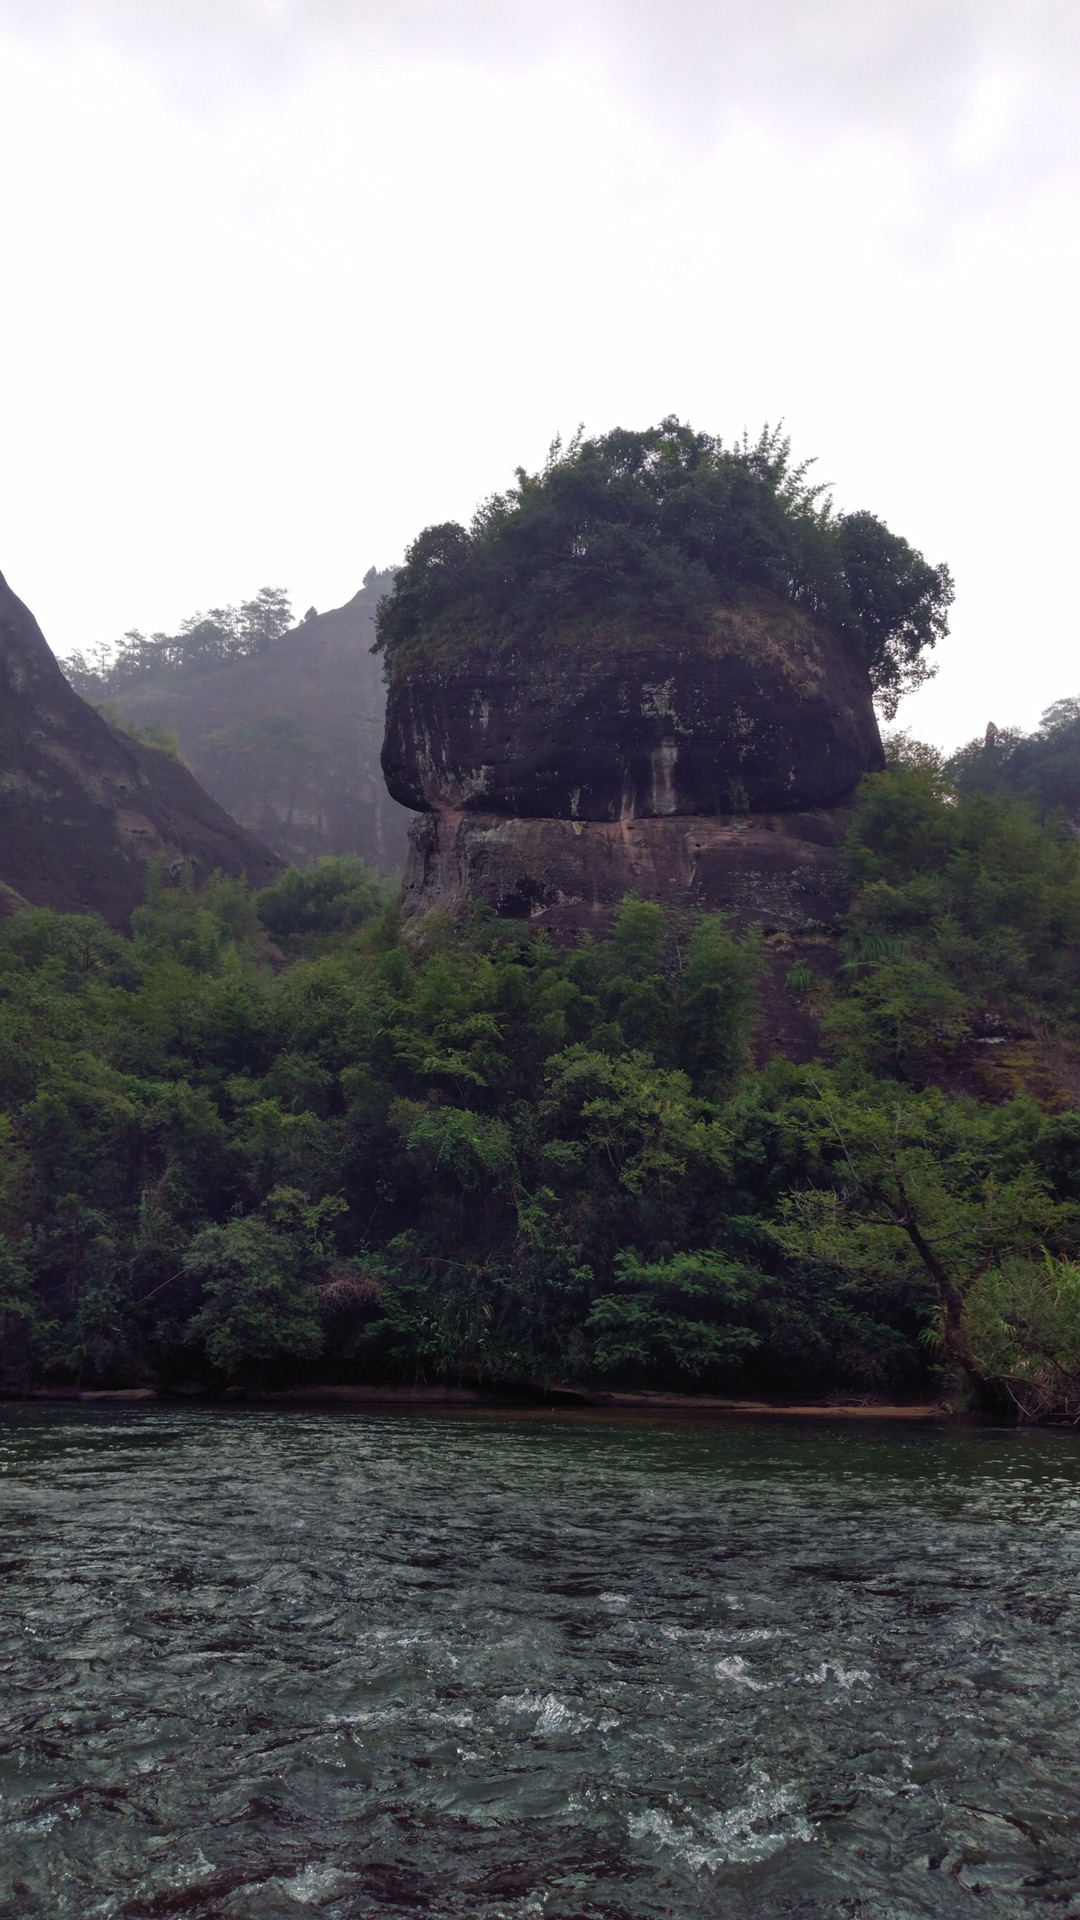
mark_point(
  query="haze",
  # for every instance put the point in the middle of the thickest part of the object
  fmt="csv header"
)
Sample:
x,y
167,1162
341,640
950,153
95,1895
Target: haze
x,y
284,283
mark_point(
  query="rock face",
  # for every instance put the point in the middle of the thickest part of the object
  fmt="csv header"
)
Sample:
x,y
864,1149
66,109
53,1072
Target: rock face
x,y
706,773
781,869
288,739
766,711
83,809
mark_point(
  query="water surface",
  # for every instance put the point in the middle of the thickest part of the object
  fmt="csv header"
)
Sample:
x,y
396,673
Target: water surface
x,y
263,1664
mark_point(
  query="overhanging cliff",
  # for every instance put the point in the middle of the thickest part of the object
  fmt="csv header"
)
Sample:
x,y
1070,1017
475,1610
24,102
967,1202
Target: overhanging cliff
x,y
706,769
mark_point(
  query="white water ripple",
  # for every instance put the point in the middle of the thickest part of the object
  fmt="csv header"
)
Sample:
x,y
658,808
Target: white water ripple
x,y
768,1820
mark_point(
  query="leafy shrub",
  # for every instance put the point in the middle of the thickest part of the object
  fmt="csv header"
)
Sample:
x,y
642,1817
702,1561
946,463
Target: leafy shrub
x,y
337,894
1023,1322
155,734
255,1303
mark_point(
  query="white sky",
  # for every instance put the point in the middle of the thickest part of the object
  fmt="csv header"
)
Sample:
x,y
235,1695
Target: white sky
x,y
282,283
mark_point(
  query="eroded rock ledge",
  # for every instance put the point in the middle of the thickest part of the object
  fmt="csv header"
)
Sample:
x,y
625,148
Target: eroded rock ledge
x,y
780,870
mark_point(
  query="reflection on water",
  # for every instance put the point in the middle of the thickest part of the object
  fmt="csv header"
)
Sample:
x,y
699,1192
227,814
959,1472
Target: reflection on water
x,y
263,1664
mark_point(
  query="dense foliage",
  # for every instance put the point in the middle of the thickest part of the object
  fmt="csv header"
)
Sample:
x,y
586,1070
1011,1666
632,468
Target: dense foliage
x,y
210,639
277,1136
964,924
660,525
1042,768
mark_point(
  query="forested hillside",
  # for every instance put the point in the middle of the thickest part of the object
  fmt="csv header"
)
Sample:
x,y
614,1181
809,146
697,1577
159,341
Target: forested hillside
x,y
1042,767
273,1137
281,723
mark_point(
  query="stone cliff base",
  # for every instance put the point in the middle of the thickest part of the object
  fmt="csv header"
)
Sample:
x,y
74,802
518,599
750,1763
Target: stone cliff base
x,y
781,870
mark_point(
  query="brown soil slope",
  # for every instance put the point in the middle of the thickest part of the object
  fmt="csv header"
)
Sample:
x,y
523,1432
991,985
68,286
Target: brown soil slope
x,y
83,809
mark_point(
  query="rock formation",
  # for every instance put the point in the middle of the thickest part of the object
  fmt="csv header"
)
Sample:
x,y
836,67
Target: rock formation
x,y
702,770
764,711
780,868
288,739
83,808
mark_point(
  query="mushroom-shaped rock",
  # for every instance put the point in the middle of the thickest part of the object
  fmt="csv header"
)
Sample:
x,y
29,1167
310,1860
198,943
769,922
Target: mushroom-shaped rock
x,y
762,710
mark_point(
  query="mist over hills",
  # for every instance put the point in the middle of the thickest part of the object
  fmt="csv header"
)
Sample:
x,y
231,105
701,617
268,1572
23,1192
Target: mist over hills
x,y
286,737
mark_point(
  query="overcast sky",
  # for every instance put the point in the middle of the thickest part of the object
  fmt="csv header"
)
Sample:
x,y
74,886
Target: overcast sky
x,y
282,281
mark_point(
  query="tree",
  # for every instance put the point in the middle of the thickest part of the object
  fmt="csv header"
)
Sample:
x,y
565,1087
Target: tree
x,y
896,605
918,1193
264,619
1042,768
335,895
255,1305
674,1317
203,640
716,1005
662,524
1023,1321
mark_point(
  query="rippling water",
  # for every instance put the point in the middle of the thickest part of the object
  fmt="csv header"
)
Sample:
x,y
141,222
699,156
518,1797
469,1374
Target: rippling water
x,y
262,1664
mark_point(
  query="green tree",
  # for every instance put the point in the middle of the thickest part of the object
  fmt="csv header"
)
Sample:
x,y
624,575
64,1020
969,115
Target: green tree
x,y
661,524
1022,1319
337,894
203,640
627,1148
920,1193
258,1291
674,1319
716,1006
1042,767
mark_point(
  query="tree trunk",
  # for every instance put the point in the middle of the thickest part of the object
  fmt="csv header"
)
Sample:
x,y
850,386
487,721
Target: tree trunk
x,y
990,1394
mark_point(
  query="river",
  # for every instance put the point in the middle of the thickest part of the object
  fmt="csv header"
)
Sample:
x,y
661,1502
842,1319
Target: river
x,y
268,1663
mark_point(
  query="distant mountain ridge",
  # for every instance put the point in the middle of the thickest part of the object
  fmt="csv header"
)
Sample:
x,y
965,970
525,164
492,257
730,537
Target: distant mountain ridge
x,y
83,808
288,739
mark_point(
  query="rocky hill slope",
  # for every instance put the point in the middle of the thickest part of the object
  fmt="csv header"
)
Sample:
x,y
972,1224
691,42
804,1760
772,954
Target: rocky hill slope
x,y
83,808
287,740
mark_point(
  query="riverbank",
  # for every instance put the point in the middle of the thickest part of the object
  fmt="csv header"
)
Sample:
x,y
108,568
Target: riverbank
x,y
556,1400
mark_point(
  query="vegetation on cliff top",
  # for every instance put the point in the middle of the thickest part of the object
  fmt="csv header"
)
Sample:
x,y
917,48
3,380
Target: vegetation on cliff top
x,y
657,526
269,1136
203,641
